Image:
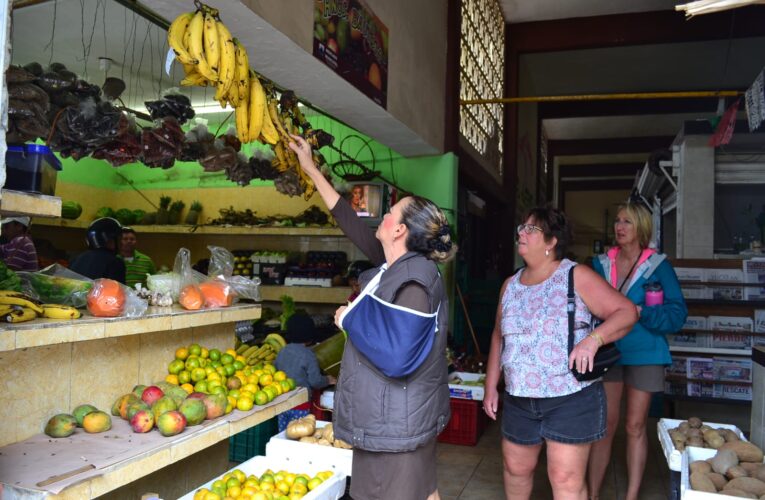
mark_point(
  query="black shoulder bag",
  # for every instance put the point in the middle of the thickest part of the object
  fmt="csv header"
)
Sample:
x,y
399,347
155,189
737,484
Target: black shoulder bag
x,y
607,355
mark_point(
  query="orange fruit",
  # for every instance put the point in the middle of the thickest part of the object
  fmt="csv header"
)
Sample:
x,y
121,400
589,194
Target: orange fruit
x,y
172,379
291,382
201,386
271,392
198,374
313,483
195,349
231,352
184,376
188,388
299,488
265,380
261,398
285,386
205,353
279,376
192,362
253,388
214,354
277,388
283,487
227,359
175,367
244,404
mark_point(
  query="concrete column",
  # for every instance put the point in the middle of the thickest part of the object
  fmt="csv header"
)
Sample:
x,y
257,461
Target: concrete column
x,y
757,425
696,198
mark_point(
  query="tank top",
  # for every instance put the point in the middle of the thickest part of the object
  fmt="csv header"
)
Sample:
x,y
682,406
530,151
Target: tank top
x,y
535,336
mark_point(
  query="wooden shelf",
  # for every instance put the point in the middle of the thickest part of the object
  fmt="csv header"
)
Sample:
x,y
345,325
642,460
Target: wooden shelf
x,y
312,294
212,230
712,350
42,332
37,205
114,464
731,303
706,399
682,378
724,332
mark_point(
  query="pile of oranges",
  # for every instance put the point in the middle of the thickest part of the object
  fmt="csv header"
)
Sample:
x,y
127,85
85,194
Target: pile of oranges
x,y
270,485
198,369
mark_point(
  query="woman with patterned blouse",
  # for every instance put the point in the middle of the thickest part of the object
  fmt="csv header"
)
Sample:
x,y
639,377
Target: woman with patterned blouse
x,y
543,401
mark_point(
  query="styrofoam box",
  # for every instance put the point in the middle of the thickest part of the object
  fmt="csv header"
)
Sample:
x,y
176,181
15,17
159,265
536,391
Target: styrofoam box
x,y
690,455
460,391
672,454
331,489
325,457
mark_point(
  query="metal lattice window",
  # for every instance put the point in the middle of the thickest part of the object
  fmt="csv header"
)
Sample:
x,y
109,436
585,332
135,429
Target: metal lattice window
x,y
482,76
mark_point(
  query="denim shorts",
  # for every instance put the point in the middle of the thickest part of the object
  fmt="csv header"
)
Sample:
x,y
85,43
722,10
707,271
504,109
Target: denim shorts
x,y
576,418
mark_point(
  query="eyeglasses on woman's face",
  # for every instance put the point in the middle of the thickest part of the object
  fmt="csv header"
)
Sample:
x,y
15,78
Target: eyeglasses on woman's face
x,y
528,228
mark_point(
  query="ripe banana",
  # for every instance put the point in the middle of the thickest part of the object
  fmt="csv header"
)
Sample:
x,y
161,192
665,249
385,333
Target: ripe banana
x,y
5,309
257,105
227,66
242,73
58,311
197,48
276,120
242,121
268,130
233,94
20,315
175,37
195,79
20,299
211,42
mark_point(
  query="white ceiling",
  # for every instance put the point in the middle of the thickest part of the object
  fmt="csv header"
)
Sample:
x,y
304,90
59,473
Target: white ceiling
x,y
523,11
139,49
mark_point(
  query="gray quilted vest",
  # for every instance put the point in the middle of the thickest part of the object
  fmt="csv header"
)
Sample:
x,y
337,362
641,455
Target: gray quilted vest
x,y
377,413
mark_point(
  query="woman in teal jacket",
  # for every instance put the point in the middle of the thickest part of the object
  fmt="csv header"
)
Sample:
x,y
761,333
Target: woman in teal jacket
x,y
630,267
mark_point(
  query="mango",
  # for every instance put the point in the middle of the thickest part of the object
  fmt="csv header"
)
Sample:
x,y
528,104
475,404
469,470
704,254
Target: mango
x,y
80,412
135,408
151,395
163,405
194,410
96,421
61,425
120,406
171,423
216,405
138,389
142,421
177,394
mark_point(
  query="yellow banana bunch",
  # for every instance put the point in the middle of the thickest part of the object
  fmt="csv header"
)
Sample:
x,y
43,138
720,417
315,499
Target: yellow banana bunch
x,y
197,46
12,298
242,121
58,311
227,66
211,42
20,315
257,107
176,34
268,132
242,73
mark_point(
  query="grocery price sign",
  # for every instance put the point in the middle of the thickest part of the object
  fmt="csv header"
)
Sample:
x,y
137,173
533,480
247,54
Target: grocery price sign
x,y
350,39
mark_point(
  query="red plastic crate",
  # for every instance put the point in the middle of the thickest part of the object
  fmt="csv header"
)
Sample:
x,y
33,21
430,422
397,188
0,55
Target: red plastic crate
x,y
467,423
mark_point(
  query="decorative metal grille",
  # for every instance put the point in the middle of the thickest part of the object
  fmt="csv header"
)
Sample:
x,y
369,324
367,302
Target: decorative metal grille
x,y
482,76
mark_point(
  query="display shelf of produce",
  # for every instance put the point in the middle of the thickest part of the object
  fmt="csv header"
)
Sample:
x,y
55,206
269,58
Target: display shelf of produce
x,y
312,294
42,332
212,229
37,205
102,465
712,350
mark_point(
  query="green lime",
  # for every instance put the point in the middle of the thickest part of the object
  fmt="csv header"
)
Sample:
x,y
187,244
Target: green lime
x,y
214,354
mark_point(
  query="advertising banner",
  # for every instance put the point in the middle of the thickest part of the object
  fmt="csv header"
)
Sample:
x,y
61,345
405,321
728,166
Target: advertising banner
x,y
350,39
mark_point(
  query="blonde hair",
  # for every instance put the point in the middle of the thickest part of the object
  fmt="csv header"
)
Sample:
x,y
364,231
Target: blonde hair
x,y
641,218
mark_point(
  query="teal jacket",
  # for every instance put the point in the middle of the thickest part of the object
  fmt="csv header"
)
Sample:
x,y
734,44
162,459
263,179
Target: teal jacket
x,y
646,343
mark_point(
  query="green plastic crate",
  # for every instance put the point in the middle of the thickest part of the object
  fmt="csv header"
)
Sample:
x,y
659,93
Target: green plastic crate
x,y
251,442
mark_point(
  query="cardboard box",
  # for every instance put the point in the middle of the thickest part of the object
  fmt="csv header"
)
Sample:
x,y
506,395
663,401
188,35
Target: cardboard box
x,y
461,391
331,489
672,454
326,457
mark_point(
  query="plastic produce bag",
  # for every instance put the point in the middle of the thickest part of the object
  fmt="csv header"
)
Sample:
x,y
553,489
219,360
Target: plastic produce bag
x,y
222,267
56,285
184,272
110,299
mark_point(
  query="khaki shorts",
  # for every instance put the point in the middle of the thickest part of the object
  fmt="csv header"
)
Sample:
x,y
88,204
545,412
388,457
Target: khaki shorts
x,y
648,378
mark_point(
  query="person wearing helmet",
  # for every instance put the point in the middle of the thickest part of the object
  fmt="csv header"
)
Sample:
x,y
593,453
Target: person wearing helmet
x,y
19,252
100,260
355,268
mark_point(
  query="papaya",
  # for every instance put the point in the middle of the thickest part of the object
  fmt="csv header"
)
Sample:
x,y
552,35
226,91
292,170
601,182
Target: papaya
x,y
216,293
191,298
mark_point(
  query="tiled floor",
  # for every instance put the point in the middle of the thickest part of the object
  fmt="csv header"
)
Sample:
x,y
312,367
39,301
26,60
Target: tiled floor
x,y
475,472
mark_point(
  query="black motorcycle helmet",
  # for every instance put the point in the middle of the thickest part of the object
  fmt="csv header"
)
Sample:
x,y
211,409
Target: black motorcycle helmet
x,y
357,267
102,231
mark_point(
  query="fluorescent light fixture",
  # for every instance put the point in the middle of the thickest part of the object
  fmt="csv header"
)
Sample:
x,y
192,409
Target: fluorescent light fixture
x,y
211,109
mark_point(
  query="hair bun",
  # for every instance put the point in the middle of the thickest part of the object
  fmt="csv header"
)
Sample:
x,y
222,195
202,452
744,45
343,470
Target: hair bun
x,y
444,230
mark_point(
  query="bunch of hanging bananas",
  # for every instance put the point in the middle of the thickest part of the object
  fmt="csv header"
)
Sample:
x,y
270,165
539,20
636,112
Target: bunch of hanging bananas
x,y
266,351
16,307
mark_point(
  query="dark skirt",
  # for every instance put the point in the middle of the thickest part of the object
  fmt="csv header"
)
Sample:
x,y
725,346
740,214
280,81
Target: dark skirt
x,y
404,476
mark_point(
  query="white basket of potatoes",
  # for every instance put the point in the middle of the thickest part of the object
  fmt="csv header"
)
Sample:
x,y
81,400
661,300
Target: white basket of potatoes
x,y
312,441
676,435
735,470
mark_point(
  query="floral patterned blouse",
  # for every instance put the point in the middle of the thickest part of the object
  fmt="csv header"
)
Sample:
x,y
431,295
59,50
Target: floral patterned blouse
x,y
535,336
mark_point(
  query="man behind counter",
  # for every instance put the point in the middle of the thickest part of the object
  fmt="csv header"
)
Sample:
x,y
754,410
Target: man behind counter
x,y
137,264
100,260
19,253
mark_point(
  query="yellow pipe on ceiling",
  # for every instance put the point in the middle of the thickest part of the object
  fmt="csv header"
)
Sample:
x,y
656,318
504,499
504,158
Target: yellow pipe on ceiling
x,y
605,97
